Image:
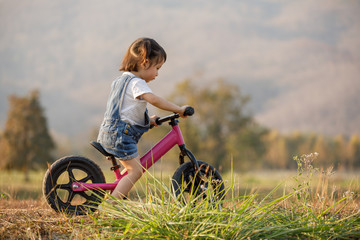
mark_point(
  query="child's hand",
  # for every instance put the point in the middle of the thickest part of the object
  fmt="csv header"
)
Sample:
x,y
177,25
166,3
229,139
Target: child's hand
x,y
152,121
183,110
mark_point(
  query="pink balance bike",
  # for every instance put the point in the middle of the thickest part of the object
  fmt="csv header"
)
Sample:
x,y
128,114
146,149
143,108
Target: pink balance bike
x,y
76,185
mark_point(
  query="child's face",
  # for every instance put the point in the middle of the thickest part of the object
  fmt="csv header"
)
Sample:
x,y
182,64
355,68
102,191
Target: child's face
x,y
150,73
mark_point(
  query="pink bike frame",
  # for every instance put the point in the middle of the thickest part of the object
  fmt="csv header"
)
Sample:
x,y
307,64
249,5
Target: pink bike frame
x,y
174,137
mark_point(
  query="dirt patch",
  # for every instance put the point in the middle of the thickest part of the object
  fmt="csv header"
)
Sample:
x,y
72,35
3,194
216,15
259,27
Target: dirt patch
x,y
33,219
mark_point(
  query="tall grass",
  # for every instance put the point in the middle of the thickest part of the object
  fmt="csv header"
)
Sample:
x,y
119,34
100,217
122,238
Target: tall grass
x,y
299,213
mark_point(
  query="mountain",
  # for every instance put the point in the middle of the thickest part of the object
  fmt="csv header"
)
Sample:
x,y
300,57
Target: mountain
x,y
320,106
299,61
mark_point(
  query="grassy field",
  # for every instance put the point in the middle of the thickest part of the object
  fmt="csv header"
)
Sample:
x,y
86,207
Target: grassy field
x,y
306,204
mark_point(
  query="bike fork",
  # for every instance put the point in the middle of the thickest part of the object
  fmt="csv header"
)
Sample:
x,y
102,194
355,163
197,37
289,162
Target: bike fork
x,y
186,152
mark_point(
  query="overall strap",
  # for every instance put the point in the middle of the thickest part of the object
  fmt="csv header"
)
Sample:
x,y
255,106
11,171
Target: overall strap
x,y
126,83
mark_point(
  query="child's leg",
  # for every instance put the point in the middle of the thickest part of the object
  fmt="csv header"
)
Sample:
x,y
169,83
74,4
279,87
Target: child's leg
x,y
135,171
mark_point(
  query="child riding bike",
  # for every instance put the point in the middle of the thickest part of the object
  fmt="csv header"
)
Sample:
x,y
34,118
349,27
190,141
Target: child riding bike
x,y
126,118
77,185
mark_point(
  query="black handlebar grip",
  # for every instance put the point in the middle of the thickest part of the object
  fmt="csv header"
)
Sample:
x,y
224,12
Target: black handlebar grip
x,y
189,111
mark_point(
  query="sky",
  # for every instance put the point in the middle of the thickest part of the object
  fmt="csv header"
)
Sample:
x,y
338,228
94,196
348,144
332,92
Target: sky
x,y
298,60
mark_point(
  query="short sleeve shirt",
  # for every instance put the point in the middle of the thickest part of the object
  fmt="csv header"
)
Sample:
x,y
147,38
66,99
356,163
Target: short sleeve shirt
x,y
134,107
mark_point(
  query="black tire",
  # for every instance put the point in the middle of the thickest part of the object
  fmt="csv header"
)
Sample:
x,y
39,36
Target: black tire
x,y
188,186
58,180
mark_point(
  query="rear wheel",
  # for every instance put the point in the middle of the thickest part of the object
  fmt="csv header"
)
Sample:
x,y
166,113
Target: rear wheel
x,y
58,181
188,186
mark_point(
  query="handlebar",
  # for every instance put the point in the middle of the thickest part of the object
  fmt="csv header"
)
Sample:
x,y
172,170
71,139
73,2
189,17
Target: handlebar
x,y
189,111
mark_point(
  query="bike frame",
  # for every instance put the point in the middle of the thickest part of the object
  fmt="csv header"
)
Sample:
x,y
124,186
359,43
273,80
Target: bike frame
x,y
174,137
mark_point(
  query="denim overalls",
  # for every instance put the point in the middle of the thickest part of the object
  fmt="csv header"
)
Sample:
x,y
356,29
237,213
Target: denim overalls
x,y
116,136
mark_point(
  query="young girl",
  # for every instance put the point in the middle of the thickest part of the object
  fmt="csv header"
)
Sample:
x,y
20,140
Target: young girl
x,y
126,117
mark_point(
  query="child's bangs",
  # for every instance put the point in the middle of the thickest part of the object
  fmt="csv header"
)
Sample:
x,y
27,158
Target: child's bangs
x,y
158,57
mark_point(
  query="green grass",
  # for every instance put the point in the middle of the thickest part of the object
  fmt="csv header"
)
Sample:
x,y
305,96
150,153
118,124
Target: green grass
x,y
160,216
303,212
14,186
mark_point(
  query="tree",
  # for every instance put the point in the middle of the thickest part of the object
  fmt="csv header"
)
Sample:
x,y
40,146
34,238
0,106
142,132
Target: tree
x,y
277,155
322,147
25,143
338,151
354,152
220,129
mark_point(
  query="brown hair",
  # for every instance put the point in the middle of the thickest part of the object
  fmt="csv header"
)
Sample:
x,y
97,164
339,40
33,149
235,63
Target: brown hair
x,y
141,50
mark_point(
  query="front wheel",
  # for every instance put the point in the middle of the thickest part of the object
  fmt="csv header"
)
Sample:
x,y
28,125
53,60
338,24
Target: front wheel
x,y
189,186
58,181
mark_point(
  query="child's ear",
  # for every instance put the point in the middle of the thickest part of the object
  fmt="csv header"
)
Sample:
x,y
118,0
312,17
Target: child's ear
x,y
145,64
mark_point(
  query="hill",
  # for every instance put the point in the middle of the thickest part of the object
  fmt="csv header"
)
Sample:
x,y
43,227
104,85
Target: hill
x,y
298,61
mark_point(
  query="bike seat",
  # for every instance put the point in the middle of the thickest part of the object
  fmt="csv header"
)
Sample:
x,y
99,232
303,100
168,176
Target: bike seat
x,y
100,148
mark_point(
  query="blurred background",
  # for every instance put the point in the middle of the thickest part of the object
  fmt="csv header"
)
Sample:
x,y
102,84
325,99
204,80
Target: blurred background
x,y
269,79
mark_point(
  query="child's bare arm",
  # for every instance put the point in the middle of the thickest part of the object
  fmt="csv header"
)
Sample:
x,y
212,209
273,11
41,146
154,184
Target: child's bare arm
x,y
163,104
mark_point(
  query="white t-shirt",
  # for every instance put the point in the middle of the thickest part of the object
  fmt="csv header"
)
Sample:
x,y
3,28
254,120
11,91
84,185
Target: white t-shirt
x,y
133,108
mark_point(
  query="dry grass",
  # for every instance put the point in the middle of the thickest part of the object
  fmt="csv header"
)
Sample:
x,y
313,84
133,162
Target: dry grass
x,y
33,219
